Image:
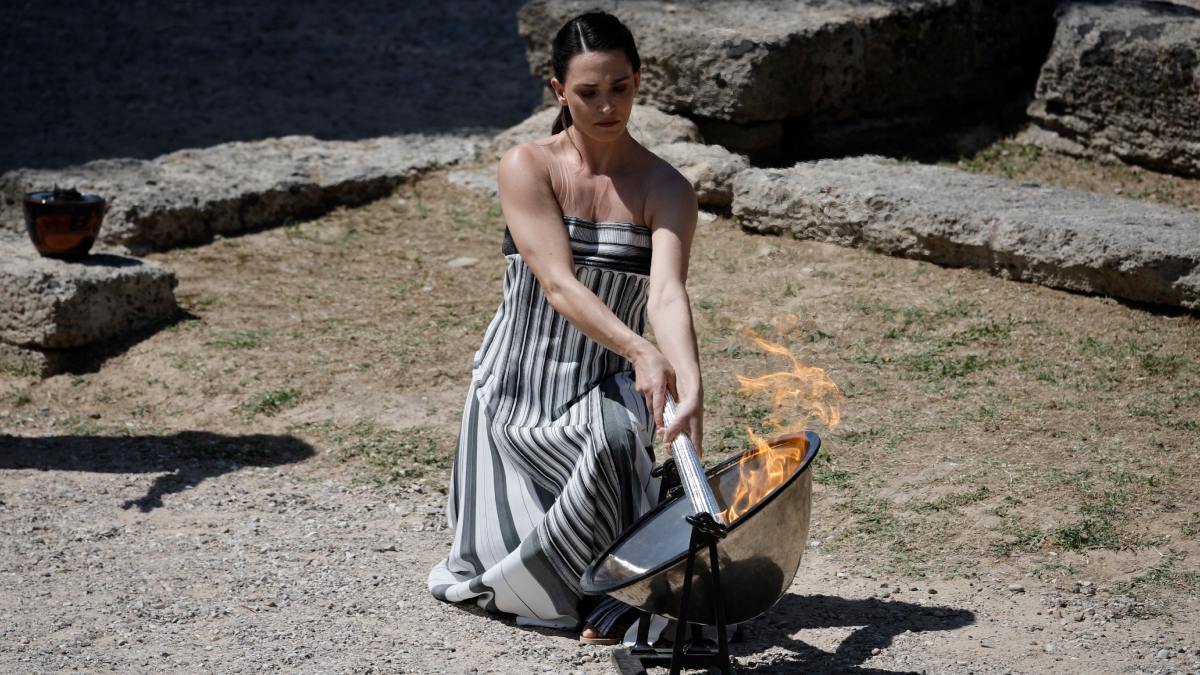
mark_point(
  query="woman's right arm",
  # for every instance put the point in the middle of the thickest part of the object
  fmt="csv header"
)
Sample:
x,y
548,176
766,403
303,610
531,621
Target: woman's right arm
x,y
536,224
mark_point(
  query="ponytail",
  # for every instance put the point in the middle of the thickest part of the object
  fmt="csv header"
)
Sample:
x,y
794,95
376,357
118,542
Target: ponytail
x,y
562,121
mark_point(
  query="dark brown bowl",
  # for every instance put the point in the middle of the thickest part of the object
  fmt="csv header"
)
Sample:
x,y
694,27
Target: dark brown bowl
x,y
61,224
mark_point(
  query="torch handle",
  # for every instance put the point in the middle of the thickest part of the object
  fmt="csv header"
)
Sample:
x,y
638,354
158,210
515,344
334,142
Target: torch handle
x,y
691,471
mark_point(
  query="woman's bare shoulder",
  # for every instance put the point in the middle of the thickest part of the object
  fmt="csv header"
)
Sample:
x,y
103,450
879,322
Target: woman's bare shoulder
x,y
524,156
666,183
526,165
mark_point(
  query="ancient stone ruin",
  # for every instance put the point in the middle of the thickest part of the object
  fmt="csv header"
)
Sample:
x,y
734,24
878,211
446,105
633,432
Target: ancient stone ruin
x,y
1069,239
1122,82
190,196
787,80
50,309
730,90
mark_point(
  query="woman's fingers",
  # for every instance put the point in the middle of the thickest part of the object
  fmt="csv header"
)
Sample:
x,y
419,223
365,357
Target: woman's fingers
x,y
670,382
670,433
657,403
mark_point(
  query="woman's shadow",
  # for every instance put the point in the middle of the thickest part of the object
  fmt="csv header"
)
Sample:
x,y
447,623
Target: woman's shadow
x,y
190,457
877,622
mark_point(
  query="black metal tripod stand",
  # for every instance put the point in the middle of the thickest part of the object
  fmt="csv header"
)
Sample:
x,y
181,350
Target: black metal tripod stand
x,y
697,652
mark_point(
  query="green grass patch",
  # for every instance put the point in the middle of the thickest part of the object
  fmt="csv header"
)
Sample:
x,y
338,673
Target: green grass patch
x,y
1005,157
391,455
856,437
1018,537
992,330
826,474
955,500
1088,533
272,402
1154,364
874,518
1165,575
1191,528
1160,587
934,365
240,339
835,478
944,310
873,307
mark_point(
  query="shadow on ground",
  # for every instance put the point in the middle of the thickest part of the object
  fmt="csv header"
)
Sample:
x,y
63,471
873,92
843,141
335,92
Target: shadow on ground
x,y
88,79
190,457
876,621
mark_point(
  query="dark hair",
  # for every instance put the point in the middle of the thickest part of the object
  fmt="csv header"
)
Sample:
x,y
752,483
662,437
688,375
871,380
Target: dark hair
x,y
590,32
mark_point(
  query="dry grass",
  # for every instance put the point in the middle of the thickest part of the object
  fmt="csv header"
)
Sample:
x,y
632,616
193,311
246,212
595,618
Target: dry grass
x,y
1024,162
986,422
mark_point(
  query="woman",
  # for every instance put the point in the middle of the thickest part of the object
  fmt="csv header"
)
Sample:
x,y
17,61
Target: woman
x,y
556,444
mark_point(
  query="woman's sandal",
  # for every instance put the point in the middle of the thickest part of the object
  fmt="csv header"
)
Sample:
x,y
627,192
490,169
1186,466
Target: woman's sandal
x,y
598,639
613,638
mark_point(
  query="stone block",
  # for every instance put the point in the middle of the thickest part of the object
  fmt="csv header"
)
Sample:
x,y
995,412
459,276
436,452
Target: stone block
x,y
710,168
1122,81
1067,239
50,307
188,196
818,66
481,180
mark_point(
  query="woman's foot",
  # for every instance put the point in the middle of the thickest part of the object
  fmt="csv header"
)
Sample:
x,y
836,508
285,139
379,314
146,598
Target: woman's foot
x,y
591,636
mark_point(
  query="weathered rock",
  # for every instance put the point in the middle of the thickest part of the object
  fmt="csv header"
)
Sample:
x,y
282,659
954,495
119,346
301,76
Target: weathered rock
x,y
871,66
710,168
1122,81
49,307
479,180
1061,238
191,195
647,124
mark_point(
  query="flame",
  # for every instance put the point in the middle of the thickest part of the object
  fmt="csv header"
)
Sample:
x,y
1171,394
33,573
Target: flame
x,y
802,396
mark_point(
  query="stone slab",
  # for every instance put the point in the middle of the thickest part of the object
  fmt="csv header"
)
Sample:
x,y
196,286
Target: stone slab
x,y
710,168
1122,81
821,64
647,124
48,304
481,180
1067,239
189,196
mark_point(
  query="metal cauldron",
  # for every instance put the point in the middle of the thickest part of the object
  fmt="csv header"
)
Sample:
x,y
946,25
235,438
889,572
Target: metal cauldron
x,y
758,556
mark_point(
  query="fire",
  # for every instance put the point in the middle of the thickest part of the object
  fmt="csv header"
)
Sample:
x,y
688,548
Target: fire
x,y
803,396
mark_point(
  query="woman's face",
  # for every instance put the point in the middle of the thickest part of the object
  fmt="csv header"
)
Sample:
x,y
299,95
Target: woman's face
x,y
599,92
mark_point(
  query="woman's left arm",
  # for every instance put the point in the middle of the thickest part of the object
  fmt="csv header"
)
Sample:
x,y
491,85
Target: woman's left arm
x,y
671,214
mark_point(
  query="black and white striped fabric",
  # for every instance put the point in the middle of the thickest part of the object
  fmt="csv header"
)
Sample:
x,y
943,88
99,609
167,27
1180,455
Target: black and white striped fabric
x,y
556,446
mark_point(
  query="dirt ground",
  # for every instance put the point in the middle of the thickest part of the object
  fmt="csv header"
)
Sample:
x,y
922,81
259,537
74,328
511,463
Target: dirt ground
x,y
260,485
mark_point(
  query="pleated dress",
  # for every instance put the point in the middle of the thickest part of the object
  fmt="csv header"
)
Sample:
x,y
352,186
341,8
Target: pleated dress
x,y
556,446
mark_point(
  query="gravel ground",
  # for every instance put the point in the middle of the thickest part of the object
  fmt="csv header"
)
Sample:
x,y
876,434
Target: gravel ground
x,y
87,79
132,556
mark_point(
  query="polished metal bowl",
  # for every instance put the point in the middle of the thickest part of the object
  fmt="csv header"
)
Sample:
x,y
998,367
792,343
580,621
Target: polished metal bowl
x,y
758,557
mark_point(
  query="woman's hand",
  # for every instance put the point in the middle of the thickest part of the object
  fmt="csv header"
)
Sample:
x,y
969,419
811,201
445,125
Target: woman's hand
x,y
689,419
654,378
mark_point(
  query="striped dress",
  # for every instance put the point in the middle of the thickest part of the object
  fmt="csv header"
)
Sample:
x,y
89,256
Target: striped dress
x,y
556,446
